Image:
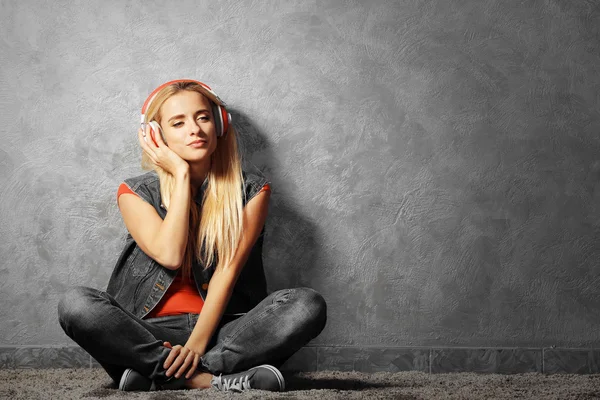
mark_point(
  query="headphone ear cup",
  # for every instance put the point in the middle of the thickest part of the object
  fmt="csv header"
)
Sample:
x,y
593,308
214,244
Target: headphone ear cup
x,y
216,110
157,130
226,122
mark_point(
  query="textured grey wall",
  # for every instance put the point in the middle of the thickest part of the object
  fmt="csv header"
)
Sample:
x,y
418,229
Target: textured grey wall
x,y
434,164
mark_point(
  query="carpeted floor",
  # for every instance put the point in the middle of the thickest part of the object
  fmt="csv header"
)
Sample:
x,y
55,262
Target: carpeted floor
x,y
95,384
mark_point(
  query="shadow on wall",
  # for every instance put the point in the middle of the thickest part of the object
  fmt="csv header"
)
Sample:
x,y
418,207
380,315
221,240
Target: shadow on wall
x,y
291,248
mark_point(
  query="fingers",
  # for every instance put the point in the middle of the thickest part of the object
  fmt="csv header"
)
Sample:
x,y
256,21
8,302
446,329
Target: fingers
x,y
168,345
181,357
180,360
153,132
152,136
189,360
159,152
171,357
194,367
158,138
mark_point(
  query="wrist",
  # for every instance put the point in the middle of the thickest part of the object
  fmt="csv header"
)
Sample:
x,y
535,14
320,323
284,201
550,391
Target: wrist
x,y
182,173
197,348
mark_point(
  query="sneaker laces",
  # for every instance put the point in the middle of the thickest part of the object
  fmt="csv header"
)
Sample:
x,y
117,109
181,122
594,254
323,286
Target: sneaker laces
x,y
235,385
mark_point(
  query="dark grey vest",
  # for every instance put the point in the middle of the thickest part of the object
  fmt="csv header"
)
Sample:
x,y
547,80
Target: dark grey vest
x,y
138,282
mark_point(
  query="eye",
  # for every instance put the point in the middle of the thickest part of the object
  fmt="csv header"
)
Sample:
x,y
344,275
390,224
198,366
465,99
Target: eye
x,y
178,124
204,118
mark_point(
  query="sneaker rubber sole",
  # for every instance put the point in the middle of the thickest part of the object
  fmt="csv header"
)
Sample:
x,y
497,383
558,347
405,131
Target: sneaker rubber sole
x,y
277,374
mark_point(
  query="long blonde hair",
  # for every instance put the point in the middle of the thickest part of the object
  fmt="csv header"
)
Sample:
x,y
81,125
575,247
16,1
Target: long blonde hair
x,y
215,230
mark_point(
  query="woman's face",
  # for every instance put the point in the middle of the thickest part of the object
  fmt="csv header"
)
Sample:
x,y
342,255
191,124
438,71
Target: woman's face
x,y
188,125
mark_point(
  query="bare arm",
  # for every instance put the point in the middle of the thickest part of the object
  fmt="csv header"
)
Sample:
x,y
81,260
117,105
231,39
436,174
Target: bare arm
x,y
219,290
223,280
163,240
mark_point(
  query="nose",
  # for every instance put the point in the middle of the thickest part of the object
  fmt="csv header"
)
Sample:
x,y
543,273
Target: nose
x,y
195,128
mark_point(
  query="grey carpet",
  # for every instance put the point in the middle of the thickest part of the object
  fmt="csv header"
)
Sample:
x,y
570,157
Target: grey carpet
x,y
95,384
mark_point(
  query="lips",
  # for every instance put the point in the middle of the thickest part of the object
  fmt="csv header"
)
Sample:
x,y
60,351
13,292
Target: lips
x,y
196,143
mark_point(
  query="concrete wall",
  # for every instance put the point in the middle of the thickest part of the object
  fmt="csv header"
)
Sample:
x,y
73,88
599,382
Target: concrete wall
x,y
434,165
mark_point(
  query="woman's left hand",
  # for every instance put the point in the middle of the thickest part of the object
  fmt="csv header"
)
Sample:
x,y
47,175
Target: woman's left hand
x,y
180,360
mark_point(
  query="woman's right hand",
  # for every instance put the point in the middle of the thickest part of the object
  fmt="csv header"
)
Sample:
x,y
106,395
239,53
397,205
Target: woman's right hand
x,y
161,154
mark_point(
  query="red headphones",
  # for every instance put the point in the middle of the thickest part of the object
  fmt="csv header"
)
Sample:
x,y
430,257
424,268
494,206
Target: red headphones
x,y
221,116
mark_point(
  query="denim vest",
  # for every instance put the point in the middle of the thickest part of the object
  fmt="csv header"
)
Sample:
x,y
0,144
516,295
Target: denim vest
x,y
138,282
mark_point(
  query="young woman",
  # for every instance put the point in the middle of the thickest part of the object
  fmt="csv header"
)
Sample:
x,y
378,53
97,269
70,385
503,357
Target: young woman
x,y
186,305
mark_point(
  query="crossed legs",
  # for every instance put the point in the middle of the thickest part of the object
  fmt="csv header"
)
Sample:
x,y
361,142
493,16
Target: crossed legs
x,y
268,334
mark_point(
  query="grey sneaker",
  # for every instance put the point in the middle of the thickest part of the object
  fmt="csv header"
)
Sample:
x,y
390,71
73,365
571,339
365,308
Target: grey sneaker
x,y
133,381
263,377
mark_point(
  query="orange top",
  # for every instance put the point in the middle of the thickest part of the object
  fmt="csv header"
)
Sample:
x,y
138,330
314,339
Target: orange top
x,y
182,296
123,188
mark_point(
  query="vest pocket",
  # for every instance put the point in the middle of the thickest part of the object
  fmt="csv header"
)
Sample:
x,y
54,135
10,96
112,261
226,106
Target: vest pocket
x,y
139,263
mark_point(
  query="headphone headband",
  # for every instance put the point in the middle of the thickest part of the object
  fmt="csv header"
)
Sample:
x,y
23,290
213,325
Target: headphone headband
x,y
221,116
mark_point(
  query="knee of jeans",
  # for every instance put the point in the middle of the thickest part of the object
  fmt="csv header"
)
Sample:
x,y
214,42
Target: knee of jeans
x,y
314,305
74,304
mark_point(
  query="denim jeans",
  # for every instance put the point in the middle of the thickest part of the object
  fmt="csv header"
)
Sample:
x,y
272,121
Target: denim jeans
x,y
268,334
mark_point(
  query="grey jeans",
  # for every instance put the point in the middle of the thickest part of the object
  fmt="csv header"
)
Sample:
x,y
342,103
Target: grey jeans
x,y
268,334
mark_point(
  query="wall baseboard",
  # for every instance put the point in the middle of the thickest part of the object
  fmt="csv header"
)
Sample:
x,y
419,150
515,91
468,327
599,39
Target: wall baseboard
x,y
363,359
